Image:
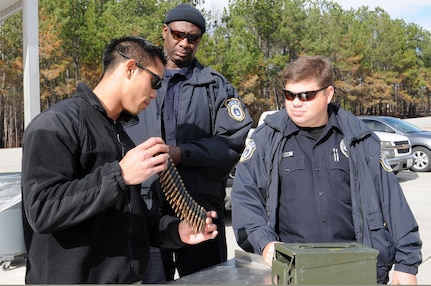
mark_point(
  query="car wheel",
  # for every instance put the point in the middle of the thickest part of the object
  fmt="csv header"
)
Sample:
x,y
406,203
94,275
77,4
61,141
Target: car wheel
x,y
422,159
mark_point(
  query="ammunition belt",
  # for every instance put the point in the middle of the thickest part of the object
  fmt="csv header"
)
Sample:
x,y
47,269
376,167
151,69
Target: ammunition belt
x,y
183,205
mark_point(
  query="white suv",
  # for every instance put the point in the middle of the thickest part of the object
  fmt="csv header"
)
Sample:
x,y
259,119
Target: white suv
x,y
397,149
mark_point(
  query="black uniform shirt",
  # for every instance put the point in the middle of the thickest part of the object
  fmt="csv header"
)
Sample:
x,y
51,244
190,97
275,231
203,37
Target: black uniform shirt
x,y
315,200
175,79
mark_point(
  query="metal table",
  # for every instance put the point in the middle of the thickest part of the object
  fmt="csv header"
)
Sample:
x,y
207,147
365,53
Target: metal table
x,y
245,268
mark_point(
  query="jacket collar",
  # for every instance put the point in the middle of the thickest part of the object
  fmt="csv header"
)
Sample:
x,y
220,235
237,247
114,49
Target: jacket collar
x,y
83,91
351,127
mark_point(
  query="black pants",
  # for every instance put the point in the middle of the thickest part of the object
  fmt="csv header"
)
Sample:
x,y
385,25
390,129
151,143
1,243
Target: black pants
x,y
155,272
192,258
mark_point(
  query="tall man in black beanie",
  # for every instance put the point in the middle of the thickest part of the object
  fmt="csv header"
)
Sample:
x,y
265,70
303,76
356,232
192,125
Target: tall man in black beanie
x,y
204,122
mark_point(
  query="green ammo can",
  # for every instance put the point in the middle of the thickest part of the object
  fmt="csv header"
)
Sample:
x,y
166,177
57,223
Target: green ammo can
x,y
324,263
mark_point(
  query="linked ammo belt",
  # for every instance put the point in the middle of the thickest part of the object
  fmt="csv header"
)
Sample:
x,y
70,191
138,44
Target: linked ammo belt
x,y
184,206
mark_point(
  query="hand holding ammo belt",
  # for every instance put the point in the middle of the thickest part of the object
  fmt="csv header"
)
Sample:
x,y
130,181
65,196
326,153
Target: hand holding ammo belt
x,y
183,205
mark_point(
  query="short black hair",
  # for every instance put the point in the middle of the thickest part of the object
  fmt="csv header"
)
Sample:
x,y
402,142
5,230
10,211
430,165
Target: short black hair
x,y
140,49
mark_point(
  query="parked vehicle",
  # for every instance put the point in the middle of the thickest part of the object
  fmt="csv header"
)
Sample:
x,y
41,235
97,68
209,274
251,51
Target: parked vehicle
x,y
419,138
397,150
12,245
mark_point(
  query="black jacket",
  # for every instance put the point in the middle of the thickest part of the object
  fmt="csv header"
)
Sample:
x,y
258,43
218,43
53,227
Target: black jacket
x,y
82,224
381,216
212,125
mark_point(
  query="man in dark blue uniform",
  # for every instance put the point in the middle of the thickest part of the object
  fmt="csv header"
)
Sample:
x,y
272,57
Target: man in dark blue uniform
x,y
320,177
205,122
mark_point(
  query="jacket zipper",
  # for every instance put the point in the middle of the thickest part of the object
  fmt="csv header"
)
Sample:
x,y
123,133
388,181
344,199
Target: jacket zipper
x,y
129,206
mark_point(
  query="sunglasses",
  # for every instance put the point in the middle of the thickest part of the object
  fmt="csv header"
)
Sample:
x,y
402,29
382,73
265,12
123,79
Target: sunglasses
x,y
179,36
303,96
156,82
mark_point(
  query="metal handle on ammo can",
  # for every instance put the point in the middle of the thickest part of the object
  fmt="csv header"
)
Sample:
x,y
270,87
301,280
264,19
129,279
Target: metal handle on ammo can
x,y
281,274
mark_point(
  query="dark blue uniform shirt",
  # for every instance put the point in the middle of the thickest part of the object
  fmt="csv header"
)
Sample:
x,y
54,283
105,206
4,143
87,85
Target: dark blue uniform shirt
x,y
175,79
315,200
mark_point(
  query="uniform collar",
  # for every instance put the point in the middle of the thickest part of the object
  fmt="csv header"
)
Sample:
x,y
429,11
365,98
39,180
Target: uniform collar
x,y
186,71
333,122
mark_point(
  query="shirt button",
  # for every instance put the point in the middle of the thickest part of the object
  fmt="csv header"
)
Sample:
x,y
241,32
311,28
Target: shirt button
x,y
321,193
317,169
324,220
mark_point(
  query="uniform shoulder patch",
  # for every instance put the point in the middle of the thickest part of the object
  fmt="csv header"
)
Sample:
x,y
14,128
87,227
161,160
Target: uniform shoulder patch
x,y
343,148
235,109
248,151
385,164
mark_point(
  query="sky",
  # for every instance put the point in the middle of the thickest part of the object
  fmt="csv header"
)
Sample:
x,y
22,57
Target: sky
x,y
411,11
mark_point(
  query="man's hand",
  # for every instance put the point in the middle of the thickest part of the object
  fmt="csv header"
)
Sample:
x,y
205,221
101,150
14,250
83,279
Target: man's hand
x,y
188,234
175,153
403,278
268,253
145,160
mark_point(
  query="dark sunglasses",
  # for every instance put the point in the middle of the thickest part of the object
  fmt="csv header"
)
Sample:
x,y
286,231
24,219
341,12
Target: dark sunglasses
x,y
179,36
303,96
156,82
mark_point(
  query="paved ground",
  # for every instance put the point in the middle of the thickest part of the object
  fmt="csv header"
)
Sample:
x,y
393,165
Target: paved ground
x,y
416,188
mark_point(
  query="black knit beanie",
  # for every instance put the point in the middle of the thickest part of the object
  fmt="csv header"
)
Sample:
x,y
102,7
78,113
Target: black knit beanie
x,y
187,13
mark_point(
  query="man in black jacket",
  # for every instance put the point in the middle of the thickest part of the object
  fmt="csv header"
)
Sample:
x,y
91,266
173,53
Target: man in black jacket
x,y
204,121
84,219
314,173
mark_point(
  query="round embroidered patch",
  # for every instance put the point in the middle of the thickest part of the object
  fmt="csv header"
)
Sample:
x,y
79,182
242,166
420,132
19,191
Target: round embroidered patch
x,y
343,148
235,110
248,151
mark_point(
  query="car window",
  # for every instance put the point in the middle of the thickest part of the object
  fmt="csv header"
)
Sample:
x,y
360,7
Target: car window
x,y
369,123
378,126
404,126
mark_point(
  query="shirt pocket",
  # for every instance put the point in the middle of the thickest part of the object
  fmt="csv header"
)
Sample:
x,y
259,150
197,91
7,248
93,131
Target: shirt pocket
x,y
293,175
339,173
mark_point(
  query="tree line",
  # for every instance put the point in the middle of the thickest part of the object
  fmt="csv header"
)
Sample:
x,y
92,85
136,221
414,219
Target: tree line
x,y
382,65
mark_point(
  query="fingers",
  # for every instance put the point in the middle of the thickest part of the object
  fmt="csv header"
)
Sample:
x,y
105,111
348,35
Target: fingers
x,y
209,233
160,160
213,234
212,214
268,253
143,161
175,153
153,146
189,235
209,226
153,141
